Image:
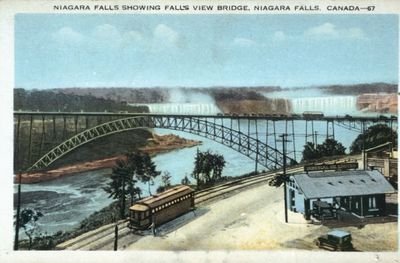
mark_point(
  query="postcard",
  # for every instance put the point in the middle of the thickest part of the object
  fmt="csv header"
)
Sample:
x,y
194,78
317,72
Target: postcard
x,y
226,131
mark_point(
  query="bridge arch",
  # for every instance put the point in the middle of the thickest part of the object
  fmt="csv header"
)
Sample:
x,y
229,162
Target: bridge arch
x,y
256,150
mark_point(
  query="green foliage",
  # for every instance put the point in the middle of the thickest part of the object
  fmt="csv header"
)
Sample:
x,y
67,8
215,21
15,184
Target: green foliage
x,y
185,180
375,135
117,187
144,168
329,147
361,88
125,174
28,221
166,179
310,152
166,182
107,215
208,167
51,100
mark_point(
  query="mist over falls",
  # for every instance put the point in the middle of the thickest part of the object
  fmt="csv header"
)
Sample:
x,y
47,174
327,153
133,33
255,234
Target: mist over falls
x,y
184,108
331,100
332,105
186,101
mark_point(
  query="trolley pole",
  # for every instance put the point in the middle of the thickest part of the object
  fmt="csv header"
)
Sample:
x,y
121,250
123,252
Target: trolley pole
x,y
284,140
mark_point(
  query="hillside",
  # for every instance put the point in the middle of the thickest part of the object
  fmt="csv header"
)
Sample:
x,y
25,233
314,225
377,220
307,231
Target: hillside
x,y
359,89
52,100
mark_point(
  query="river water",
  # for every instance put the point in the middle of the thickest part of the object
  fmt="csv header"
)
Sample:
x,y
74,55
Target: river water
x,y
66,201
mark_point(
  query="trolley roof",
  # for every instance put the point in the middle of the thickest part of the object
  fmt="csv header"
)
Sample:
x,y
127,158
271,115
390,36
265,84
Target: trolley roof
x,y
161,198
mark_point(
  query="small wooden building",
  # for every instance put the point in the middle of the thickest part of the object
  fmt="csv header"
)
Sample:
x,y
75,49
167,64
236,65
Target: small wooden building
x,y
361,193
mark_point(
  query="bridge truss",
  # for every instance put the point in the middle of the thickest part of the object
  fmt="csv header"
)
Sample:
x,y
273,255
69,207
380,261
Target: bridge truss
x,y
259,151
41,138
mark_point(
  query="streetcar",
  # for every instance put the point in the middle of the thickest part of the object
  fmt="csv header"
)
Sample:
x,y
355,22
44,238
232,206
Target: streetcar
x,y
161,208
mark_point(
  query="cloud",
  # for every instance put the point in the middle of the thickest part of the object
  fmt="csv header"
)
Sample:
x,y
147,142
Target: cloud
x,y
109,36
243,42
133,36
106,31
67,35
330,31
165,34
279,36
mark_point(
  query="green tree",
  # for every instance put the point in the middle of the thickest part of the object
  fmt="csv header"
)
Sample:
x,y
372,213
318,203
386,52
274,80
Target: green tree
x,y
125,174
375,135
310,152
218,164
330,147
185,180
207,167
166,179
166,182
122,184
28,221
144,168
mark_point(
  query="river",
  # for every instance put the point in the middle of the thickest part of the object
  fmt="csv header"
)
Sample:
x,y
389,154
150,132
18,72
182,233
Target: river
x,y
66,201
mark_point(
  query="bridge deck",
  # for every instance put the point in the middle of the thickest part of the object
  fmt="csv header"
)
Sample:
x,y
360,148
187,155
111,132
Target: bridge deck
x,y
220,116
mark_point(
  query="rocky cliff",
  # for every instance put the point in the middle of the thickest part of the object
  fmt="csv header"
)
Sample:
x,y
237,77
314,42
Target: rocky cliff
x,y
375,102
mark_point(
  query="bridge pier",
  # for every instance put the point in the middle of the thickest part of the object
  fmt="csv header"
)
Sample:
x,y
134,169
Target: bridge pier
x,y
294,142
30,140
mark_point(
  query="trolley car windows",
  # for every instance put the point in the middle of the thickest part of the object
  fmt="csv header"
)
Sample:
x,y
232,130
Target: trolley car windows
x,y
172,201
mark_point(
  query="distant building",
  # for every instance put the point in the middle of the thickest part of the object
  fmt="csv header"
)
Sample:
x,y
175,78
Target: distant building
x,y
359,192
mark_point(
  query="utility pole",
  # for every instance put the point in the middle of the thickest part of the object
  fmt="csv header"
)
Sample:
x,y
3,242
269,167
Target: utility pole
x,y
363,147
116,236
284,140
17,223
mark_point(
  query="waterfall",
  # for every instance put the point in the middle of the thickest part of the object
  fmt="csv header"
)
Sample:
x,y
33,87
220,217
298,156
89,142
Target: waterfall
x,y
182,108
333,105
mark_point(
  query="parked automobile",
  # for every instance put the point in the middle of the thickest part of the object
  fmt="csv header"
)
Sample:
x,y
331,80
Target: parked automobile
x,y
323,210
336,240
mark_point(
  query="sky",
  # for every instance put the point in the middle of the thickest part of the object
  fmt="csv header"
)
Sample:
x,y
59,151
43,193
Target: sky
x,y
81,50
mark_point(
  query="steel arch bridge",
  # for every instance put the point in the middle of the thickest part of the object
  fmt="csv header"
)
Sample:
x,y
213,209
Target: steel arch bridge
x,y
253,148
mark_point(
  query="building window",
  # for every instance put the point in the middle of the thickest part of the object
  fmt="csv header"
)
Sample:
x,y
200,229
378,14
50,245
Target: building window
x,y
372,202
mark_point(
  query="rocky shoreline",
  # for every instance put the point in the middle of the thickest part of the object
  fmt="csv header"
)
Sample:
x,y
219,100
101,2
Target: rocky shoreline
x,y
157,144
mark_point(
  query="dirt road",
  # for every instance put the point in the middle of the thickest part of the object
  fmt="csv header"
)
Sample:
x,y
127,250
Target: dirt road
x,y
254,219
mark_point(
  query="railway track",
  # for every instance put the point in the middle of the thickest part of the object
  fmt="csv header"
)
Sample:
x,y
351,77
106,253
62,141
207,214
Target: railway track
x,y
103,237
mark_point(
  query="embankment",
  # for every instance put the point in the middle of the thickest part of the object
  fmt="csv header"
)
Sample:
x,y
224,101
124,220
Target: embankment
x,y
265,106
155,144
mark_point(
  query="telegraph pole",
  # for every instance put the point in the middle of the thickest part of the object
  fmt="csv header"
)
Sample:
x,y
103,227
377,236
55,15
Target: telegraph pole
x,y
116,236
363,147
17,223
284,140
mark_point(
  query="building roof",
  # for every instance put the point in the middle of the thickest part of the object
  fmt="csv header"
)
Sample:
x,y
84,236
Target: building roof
x,y
338,233
343,183
161,198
